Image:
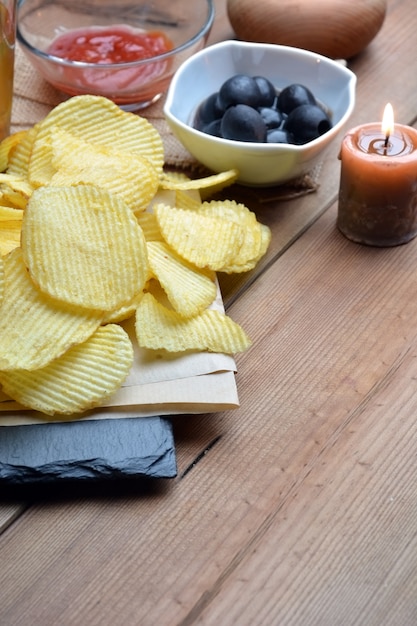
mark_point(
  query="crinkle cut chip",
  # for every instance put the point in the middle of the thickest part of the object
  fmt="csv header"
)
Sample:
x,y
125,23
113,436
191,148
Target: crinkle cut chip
x,y
81,379
159,328
34,328
97,120
95,253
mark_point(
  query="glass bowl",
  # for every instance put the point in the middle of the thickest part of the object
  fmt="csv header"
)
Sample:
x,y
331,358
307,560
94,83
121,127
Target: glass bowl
x,y
126,78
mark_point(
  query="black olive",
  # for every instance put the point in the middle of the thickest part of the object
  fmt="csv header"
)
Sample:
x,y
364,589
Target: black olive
x,y
294,96
239,89
243,123
307,122
213,128
267,89
208,111
238,112
272,117
278,135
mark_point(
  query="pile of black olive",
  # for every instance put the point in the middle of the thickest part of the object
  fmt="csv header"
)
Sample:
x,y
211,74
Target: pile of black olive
x,y
248,108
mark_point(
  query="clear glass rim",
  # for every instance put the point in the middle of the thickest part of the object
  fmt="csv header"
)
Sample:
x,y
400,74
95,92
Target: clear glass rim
x,y
111,66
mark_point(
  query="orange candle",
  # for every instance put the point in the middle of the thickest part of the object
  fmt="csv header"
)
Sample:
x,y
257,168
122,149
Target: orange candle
x,y
378,183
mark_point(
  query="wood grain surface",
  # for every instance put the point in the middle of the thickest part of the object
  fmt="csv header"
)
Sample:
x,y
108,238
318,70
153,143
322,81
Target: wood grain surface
x,y
300,507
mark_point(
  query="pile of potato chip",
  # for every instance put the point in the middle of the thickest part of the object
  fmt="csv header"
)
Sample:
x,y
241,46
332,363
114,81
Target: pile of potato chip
x,y
93,232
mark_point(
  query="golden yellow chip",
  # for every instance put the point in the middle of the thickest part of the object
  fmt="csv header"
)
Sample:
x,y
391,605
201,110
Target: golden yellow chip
x,y
4,202
171,179
124,312
81,379
7,146
187,199
149,224
13,199
265,241
207,186
130,176
162,196
253,232
10,229
17,183
19,157
160,328
230,210
83,245
33,328
15,190
204,240
188,289
96,120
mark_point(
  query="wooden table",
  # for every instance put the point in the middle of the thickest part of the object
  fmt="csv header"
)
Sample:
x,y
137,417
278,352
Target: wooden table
x,y
300,507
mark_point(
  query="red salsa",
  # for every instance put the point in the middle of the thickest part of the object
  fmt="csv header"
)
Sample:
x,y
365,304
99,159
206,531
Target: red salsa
x,y
112,44
105,48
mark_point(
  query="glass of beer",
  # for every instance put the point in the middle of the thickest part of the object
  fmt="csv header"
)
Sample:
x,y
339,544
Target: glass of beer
x,y
7,45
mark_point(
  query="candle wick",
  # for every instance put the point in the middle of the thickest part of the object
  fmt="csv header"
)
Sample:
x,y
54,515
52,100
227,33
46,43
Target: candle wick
x,y
387,136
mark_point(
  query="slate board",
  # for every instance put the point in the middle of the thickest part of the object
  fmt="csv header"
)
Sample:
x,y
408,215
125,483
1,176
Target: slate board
x,y
86,452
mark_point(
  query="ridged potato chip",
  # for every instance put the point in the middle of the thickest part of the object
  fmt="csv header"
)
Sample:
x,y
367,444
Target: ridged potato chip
x,y
81,379
254,236
149,224
187,200
207,185
172,179
20,156
128,175
206,241
188,289
230,210
96,120
34,329
160,328
7,146
16,190
124,312
10,229
94,254
93,231
265,241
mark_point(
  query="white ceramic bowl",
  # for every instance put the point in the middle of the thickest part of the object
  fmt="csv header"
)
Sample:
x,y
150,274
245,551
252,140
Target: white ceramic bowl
x,y
259,164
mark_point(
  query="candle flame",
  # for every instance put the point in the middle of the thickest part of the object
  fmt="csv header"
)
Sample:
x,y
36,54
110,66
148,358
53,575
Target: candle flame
x,y
388,120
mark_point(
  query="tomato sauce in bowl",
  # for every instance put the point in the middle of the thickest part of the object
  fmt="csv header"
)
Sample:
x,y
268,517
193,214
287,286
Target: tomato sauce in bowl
x,y
111,60
126,51
110,44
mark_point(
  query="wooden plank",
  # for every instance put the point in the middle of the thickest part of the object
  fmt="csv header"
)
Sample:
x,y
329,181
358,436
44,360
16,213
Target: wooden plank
x,y
311,480
339,539
9,512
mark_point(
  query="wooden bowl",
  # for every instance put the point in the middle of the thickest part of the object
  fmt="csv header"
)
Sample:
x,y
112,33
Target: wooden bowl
x,y
338,29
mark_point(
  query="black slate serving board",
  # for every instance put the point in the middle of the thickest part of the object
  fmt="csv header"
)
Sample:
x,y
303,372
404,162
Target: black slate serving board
x,y
90,451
